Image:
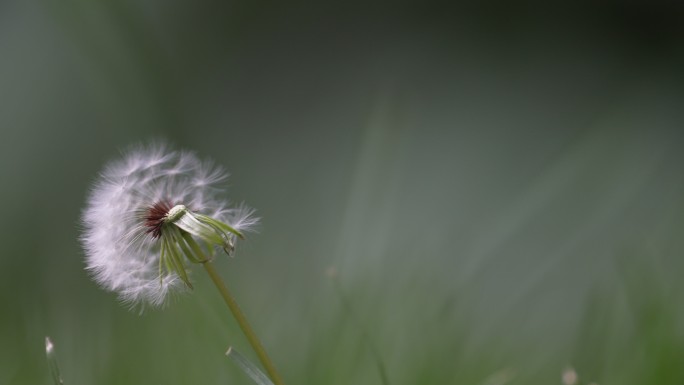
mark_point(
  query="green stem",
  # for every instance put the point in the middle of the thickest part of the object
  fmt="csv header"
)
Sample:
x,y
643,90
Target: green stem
x,y
244,325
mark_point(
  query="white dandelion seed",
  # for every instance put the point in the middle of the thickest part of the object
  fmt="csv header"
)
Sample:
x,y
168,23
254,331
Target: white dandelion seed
x,y
152,212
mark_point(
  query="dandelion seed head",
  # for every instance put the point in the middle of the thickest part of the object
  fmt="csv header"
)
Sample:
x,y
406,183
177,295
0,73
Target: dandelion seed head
x,y
126,210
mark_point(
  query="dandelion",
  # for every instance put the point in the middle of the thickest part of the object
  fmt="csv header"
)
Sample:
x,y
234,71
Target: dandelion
x,y
153,214
147,212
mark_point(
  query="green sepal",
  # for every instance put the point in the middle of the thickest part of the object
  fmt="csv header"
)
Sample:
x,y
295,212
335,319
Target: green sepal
x,y
194,257
210,230
178,239
171,257
220,225
192,225
196,248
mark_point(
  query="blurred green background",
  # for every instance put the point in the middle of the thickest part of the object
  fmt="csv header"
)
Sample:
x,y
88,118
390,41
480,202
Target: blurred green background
x,y
499,189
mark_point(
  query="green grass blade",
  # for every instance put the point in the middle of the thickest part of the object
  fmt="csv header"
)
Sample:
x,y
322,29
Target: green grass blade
x,y
52,361
248,367
348,310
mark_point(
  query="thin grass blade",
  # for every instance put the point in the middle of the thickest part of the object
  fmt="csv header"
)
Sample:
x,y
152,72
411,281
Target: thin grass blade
x,y
52,361
248,367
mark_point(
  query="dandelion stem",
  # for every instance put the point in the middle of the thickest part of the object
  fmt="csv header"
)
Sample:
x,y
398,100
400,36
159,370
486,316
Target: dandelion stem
x,y
244,324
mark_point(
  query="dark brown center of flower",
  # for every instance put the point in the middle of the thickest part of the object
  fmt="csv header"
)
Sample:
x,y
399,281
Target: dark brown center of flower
x,y
154,217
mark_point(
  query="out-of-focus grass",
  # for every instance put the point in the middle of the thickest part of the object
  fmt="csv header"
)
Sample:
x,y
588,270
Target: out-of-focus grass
x,y
631,336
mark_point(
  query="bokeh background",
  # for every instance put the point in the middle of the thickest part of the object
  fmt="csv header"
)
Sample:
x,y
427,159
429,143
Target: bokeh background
x,y
487,194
